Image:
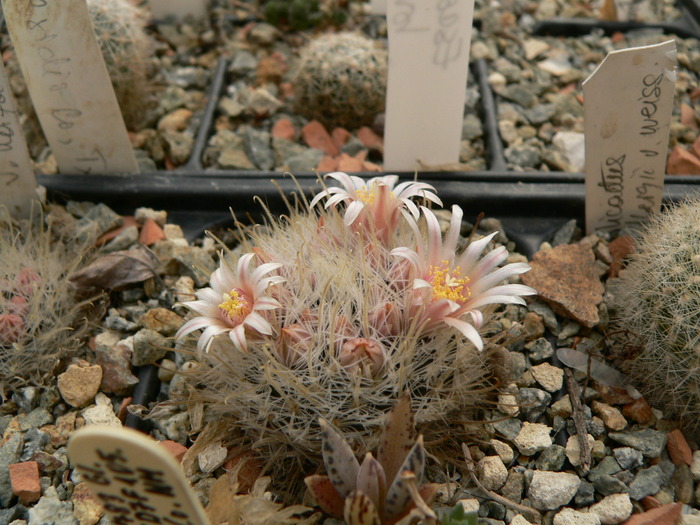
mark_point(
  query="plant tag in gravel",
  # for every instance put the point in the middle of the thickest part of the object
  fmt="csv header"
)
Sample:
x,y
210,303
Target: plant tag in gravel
x,y
17,180
627,111
69,85
135,479
426,85
161,9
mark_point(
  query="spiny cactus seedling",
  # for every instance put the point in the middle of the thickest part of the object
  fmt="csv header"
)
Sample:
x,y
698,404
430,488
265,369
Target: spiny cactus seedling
x,y
341,80
39,313
120,30
657,298
332,314
382,490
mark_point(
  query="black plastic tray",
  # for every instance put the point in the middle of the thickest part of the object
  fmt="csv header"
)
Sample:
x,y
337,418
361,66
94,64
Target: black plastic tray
x,y
199,198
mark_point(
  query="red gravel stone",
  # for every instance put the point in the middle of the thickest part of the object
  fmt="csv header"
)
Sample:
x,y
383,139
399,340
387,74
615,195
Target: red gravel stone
x,y
678,448
284,129
327,164
340,136
151,232
349,164
566,277
665,515
682,162
639,411
25,481
316,136
174,448
370,139
620,248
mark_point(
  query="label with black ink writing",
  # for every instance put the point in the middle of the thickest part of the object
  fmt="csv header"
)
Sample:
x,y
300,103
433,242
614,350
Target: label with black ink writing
x,y
135,479
627,110
426,86
69,85
17,180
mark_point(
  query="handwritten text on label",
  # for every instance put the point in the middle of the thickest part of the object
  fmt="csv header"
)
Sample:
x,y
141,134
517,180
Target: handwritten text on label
x,y
69,85
626,116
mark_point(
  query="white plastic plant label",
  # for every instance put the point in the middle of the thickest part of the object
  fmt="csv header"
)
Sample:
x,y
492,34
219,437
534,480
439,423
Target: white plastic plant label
x,y
179,9
17,180
135,479
426,86
69,85
377,7
627,111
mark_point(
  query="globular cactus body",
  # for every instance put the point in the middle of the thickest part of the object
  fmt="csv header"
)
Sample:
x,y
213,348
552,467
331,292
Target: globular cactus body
x,y
120,30
39,312
341,80
657,299
334,315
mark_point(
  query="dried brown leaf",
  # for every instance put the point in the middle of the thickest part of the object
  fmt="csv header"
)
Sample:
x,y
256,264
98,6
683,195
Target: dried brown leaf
x,y
116,270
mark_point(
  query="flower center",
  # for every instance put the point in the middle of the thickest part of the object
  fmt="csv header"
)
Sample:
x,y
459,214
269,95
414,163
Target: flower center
x,y
235,306
366,195
449,284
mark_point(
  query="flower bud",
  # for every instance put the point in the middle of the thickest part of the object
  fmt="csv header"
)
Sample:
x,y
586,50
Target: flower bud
x,y
363,354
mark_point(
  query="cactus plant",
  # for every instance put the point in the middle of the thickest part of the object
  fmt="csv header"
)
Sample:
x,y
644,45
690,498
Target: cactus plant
x,y
657,299
324,316
39,312
341,80
120,30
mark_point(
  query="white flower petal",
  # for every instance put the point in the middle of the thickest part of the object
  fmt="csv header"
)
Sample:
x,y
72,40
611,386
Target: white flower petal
x,y
353,212
209,295
471,255
467,330
317,198
258,322
407,254
497,276
197,323
266,303
208,335
204,308
450,242
237,336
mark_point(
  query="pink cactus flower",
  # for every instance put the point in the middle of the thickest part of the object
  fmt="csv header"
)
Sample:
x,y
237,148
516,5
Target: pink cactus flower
x,y
236,302
447,288
375,203
294,343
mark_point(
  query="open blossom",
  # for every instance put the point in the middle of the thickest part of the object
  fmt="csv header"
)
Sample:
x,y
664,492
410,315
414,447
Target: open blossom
x,y
375,203
236,302
449,288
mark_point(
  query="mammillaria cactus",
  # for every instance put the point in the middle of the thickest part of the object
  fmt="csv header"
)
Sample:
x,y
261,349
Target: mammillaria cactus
x,y
331,312
341,80
120,30
39,312
657,299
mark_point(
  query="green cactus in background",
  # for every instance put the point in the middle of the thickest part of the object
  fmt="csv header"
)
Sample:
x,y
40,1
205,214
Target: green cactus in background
x,y
120,30
302,14
657,298
341,80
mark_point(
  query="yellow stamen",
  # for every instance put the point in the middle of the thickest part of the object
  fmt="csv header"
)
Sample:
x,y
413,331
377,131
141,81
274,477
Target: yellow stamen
x,y
233,304
368,194
449,284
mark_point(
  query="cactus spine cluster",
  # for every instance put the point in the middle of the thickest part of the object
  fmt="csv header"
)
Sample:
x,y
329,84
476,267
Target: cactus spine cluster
x,y
120,30
341,80
39,312
657,299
